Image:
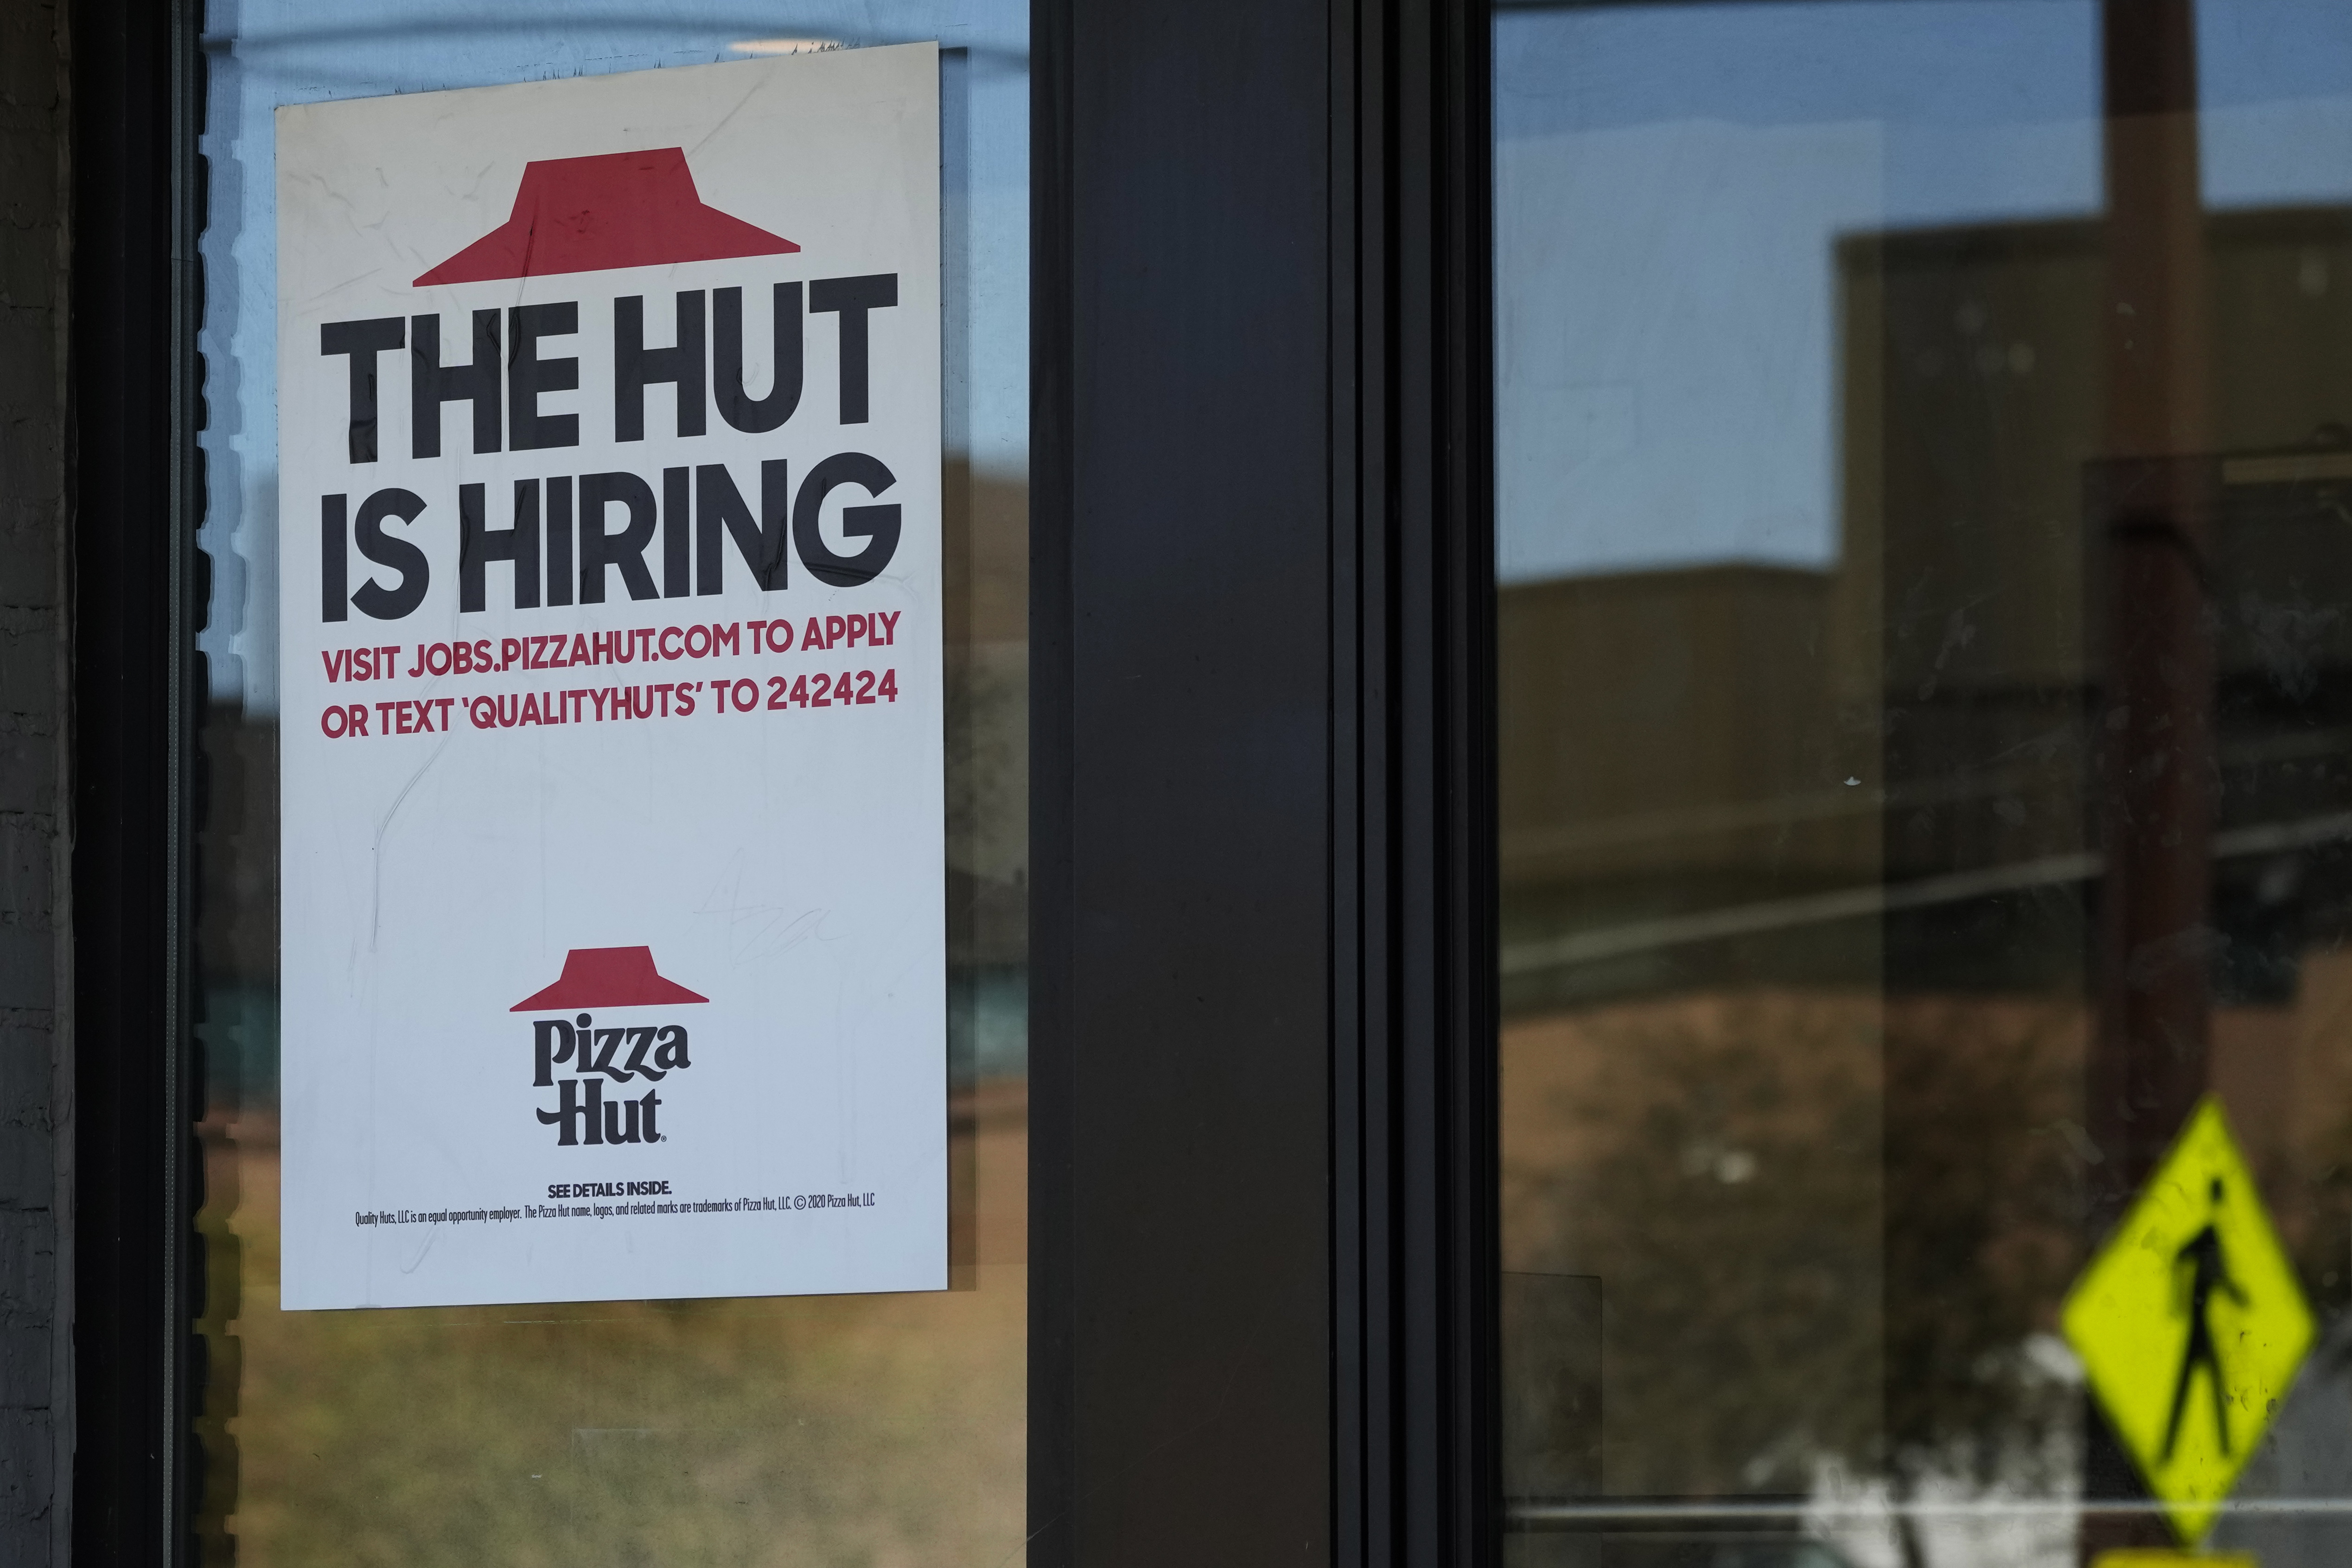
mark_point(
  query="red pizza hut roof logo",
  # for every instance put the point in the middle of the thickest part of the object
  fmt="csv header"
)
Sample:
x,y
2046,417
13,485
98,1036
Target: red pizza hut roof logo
x,y
590,215
607,977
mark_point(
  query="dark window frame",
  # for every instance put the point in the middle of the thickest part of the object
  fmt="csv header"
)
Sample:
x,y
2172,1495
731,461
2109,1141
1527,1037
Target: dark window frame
x,y
136,404
1334,446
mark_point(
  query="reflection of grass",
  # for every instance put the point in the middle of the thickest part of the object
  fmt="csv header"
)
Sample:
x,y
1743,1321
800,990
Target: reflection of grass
x,y
1825,1225
1714,1161
865,1430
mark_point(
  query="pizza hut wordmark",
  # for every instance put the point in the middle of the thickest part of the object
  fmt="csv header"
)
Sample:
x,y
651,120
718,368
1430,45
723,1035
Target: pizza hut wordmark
x,y
631,1052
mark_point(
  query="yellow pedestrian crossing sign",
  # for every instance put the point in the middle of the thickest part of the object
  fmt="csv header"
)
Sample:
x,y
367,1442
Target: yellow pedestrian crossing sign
x,y
2190,1323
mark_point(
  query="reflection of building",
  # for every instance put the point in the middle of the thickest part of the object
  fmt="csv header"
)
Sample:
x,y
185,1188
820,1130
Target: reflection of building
x,y
1799,868
1676,740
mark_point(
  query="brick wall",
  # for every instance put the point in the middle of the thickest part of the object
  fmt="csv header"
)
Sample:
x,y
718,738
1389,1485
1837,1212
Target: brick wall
x,y
35,1404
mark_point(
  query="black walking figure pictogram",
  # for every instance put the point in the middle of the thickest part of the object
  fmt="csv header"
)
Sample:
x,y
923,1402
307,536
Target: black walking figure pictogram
x,y
2207,1272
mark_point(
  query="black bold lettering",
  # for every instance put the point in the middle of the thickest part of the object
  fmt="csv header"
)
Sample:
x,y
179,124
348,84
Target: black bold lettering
x,y
559,540
374,598
528,375
479,544
756,415
335,558
431,384
574,1110
636,367
674,582
853,296
626,549
640,1041
551,1042
363,341
607,1042
879,524
719,504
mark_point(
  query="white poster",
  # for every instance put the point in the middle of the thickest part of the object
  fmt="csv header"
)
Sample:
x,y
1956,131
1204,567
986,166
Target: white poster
x,y
613,900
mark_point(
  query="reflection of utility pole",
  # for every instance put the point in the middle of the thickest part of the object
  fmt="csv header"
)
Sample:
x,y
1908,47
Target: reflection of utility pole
x,y
2150,510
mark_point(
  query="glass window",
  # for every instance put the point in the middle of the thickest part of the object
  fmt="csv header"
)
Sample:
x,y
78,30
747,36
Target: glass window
x,y
1922,440
881,1428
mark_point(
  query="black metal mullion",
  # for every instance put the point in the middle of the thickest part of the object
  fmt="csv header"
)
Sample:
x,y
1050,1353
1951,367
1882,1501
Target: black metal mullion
x,y
131,377
1423,1453
186,690
1364,1383
1140,356
1052,1456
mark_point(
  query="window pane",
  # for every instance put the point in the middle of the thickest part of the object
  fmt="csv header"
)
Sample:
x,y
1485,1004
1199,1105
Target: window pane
x,y
1922,440
846,1428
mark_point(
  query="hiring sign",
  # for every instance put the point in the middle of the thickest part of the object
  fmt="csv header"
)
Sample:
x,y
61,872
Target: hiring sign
x,y
612,890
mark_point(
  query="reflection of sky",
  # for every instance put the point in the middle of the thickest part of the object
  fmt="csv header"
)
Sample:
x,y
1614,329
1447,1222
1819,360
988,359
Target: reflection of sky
x,y
264,53
1669,183
2273,76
